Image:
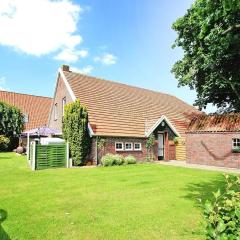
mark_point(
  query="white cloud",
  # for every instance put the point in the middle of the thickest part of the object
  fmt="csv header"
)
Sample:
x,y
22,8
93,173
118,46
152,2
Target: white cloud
x,y
71,55
106,59
39,27
85,70
3,83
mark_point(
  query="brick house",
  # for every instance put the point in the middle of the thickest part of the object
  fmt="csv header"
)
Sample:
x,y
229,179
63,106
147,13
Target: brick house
x,y
35,109
213,140
123,115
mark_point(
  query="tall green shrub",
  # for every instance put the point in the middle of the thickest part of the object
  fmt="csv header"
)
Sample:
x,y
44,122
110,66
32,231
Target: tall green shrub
x,y
75,131
11,125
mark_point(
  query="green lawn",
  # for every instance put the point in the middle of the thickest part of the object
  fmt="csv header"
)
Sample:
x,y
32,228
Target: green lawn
x,y
143,201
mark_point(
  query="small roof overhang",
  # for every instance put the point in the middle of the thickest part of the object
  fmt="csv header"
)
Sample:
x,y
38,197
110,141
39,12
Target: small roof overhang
x,y
158,122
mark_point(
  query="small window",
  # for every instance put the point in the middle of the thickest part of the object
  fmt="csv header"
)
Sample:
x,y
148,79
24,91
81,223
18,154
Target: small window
x,y
55,112
128,146
236,142
63,105
25,118
119,146
137,146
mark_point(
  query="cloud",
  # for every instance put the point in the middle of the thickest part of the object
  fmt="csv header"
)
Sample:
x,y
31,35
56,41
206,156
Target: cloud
x,y
40,27
106,59
3,83
71,55
85,70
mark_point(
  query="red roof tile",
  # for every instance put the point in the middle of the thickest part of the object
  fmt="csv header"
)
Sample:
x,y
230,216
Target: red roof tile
x,y
121,110
36,107
215,123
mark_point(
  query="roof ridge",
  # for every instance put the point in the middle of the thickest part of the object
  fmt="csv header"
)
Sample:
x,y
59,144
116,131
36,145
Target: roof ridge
x,y
25,94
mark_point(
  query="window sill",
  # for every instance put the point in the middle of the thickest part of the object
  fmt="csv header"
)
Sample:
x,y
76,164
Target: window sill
x,y
128,150
236,150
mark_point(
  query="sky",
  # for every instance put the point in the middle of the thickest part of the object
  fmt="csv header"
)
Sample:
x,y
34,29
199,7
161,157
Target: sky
x,y
127,41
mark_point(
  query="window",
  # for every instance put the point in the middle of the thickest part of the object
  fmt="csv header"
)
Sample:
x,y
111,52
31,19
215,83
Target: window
x,y
25,118
119,146
236,142
63,105
128,146
137,146
55,112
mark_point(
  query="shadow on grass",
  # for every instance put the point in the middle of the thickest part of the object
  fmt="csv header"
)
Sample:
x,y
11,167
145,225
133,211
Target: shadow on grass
x,y
202,191
3,217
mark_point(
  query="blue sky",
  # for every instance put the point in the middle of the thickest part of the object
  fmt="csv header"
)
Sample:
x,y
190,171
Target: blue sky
x,y
125,41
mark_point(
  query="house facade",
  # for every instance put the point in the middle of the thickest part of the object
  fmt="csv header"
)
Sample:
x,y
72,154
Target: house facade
x,y
36,109
214,140
124,116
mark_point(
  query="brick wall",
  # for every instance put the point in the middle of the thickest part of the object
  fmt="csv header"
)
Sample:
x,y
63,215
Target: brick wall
x,y
140,155
61,92
110,147
212,149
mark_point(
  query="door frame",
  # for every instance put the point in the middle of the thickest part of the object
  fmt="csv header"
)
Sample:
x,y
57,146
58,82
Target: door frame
x,y
163,147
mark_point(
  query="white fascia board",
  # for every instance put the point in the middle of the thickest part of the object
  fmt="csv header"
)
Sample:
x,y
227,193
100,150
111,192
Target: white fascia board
x,y
162,118
67,84
91,133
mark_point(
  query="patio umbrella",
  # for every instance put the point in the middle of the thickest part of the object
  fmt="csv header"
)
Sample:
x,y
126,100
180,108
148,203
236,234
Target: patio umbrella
x,y
42,131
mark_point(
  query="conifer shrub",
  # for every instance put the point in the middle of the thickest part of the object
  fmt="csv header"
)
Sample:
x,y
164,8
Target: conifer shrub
x,y
75,131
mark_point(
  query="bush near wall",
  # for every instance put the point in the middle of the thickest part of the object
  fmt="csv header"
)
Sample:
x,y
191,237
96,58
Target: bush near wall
x,y
116,159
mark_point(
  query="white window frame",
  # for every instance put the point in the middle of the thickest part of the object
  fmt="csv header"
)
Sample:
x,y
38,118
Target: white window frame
x,y
118,149
138,149
55,111
236,141
64,102
126,147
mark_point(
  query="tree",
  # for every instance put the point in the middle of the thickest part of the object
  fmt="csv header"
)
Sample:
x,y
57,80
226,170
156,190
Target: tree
x,y
11,125
209,34
11,120
75,131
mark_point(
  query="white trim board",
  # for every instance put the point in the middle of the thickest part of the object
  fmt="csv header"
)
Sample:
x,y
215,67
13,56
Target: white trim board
x,y
67,84
162,118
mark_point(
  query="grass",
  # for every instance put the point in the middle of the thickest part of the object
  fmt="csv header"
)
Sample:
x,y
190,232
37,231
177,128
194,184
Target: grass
x,y
143,201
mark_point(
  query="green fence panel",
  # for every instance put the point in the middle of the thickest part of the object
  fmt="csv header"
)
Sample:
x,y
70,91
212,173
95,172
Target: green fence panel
x,y
50,156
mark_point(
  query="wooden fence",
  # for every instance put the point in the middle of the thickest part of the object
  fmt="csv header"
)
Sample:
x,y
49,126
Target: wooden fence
x,y
49,156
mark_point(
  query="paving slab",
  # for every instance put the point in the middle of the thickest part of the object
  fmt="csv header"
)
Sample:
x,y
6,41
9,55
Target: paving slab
x,y
176,163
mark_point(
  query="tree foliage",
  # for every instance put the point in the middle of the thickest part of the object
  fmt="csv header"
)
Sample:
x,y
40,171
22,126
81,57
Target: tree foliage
x,y
11,125
223,213
75,131
11,120
209,34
